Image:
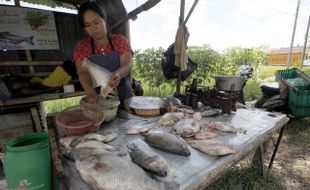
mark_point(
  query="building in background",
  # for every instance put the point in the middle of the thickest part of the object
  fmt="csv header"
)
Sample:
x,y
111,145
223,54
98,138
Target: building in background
x,y
280,56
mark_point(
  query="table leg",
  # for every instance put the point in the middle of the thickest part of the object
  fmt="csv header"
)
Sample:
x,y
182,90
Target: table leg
x,y
258,159
276,147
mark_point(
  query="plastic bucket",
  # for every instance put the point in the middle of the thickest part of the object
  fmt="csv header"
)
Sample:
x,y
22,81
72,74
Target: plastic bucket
x,y
27,162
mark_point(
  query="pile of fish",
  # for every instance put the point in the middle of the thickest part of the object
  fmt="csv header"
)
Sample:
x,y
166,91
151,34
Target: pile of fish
x,y
105,166
113,172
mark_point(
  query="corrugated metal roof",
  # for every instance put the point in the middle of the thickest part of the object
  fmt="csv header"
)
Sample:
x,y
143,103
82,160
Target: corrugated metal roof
x,y
54,3
286,50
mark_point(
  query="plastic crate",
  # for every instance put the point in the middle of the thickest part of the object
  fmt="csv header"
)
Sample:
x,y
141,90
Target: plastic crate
x,y
299,96
299,111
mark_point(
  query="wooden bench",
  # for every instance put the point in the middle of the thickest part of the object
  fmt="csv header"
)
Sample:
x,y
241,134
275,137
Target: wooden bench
x,y
32,103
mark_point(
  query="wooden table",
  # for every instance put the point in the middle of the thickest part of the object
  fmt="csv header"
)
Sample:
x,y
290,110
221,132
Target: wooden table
x,y
199,170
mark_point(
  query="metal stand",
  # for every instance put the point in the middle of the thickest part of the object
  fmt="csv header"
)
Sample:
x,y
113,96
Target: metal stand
x,y
276,148
258,159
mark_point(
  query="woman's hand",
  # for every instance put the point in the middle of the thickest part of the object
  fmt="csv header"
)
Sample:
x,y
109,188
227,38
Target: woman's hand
x,y
115,78
91,98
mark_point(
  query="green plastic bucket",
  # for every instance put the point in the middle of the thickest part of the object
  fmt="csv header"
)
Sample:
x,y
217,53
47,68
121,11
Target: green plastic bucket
x,y
27,162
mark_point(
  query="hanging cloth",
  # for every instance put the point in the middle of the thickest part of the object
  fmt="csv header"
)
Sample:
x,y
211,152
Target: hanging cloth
x,y
181,57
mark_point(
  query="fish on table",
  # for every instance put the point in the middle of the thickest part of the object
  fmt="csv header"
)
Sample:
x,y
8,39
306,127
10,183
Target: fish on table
x,y
205,135
15,39
221,126
114,173
170,118
213,148
81,153
142,155
186,128
103,137
136,126
168,142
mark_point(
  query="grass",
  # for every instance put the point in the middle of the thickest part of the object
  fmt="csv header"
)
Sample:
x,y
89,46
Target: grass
x,y
298,130
53,106
247,177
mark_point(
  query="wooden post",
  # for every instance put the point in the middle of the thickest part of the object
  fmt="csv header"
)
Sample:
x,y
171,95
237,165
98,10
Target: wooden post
x,y
36,119
305,44
181,19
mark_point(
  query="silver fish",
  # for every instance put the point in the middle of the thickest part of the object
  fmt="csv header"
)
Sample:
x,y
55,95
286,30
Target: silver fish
x,y
99,76
168,142
212,112
103,137
97,144
186,127
142,155
136,126
170,118
15,39
66,141
85,152
213,148
114,173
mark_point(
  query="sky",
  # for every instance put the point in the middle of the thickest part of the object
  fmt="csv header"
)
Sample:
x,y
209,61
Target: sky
x,y
221,24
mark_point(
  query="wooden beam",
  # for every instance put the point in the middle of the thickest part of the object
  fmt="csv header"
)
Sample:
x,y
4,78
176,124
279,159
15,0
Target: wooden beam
x,y
39,98
27,63
36,119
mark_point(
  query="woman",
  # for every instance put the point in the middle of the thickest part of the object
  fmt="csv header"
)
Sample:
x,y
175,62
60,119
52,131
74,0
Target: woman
x,y
110,51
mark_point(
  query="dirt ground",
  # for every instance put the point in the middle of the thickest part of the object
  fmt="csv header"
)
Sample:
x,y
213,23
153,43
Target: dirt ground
x,y
292,163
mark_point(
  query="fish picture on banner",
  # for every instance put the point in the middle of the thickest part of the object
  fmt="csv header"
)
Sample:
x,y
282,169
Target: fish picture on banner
x,y
27,29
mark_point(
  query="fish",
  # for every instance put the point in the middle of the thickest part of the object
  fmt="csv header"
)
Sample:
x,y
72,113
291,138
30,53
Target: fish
x,y
170,118
168,142
81,153
209,113
95,144
99,75
66,141
205,135
222,126
213,148
15,39
136,126
142,155
197,116
114,173
186,127
103,137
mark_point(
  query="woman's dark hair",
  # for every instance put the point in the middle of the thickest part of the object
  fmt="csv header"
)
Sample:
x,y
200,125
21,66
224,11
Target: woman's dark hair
x,y
93,6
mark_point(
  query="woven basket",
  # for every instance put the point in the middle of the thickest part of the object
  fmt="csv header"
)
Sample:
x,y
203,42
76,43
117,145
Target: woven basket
x,y
147,112
74,122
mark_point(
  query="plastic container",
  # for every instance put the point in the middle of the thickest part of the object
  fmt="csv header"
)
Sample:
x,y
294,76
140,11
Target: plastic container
x,y
27,162
74,122
299,111
298,93
108,105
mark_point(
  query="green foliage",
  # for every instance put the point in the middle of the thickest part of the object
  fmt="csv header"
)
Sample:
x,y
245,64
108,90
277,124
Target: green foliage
x,y
251,90
147,67
210,63
35,19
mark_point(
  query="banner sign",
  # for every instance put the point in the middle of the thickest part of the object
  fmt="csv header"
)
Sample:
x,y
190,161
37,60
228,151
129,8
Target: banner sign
x,y
27,29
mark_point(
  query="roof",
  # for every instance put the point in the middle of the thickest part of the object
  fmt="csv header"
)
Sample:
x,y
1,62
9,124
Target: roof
x,y
286,50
